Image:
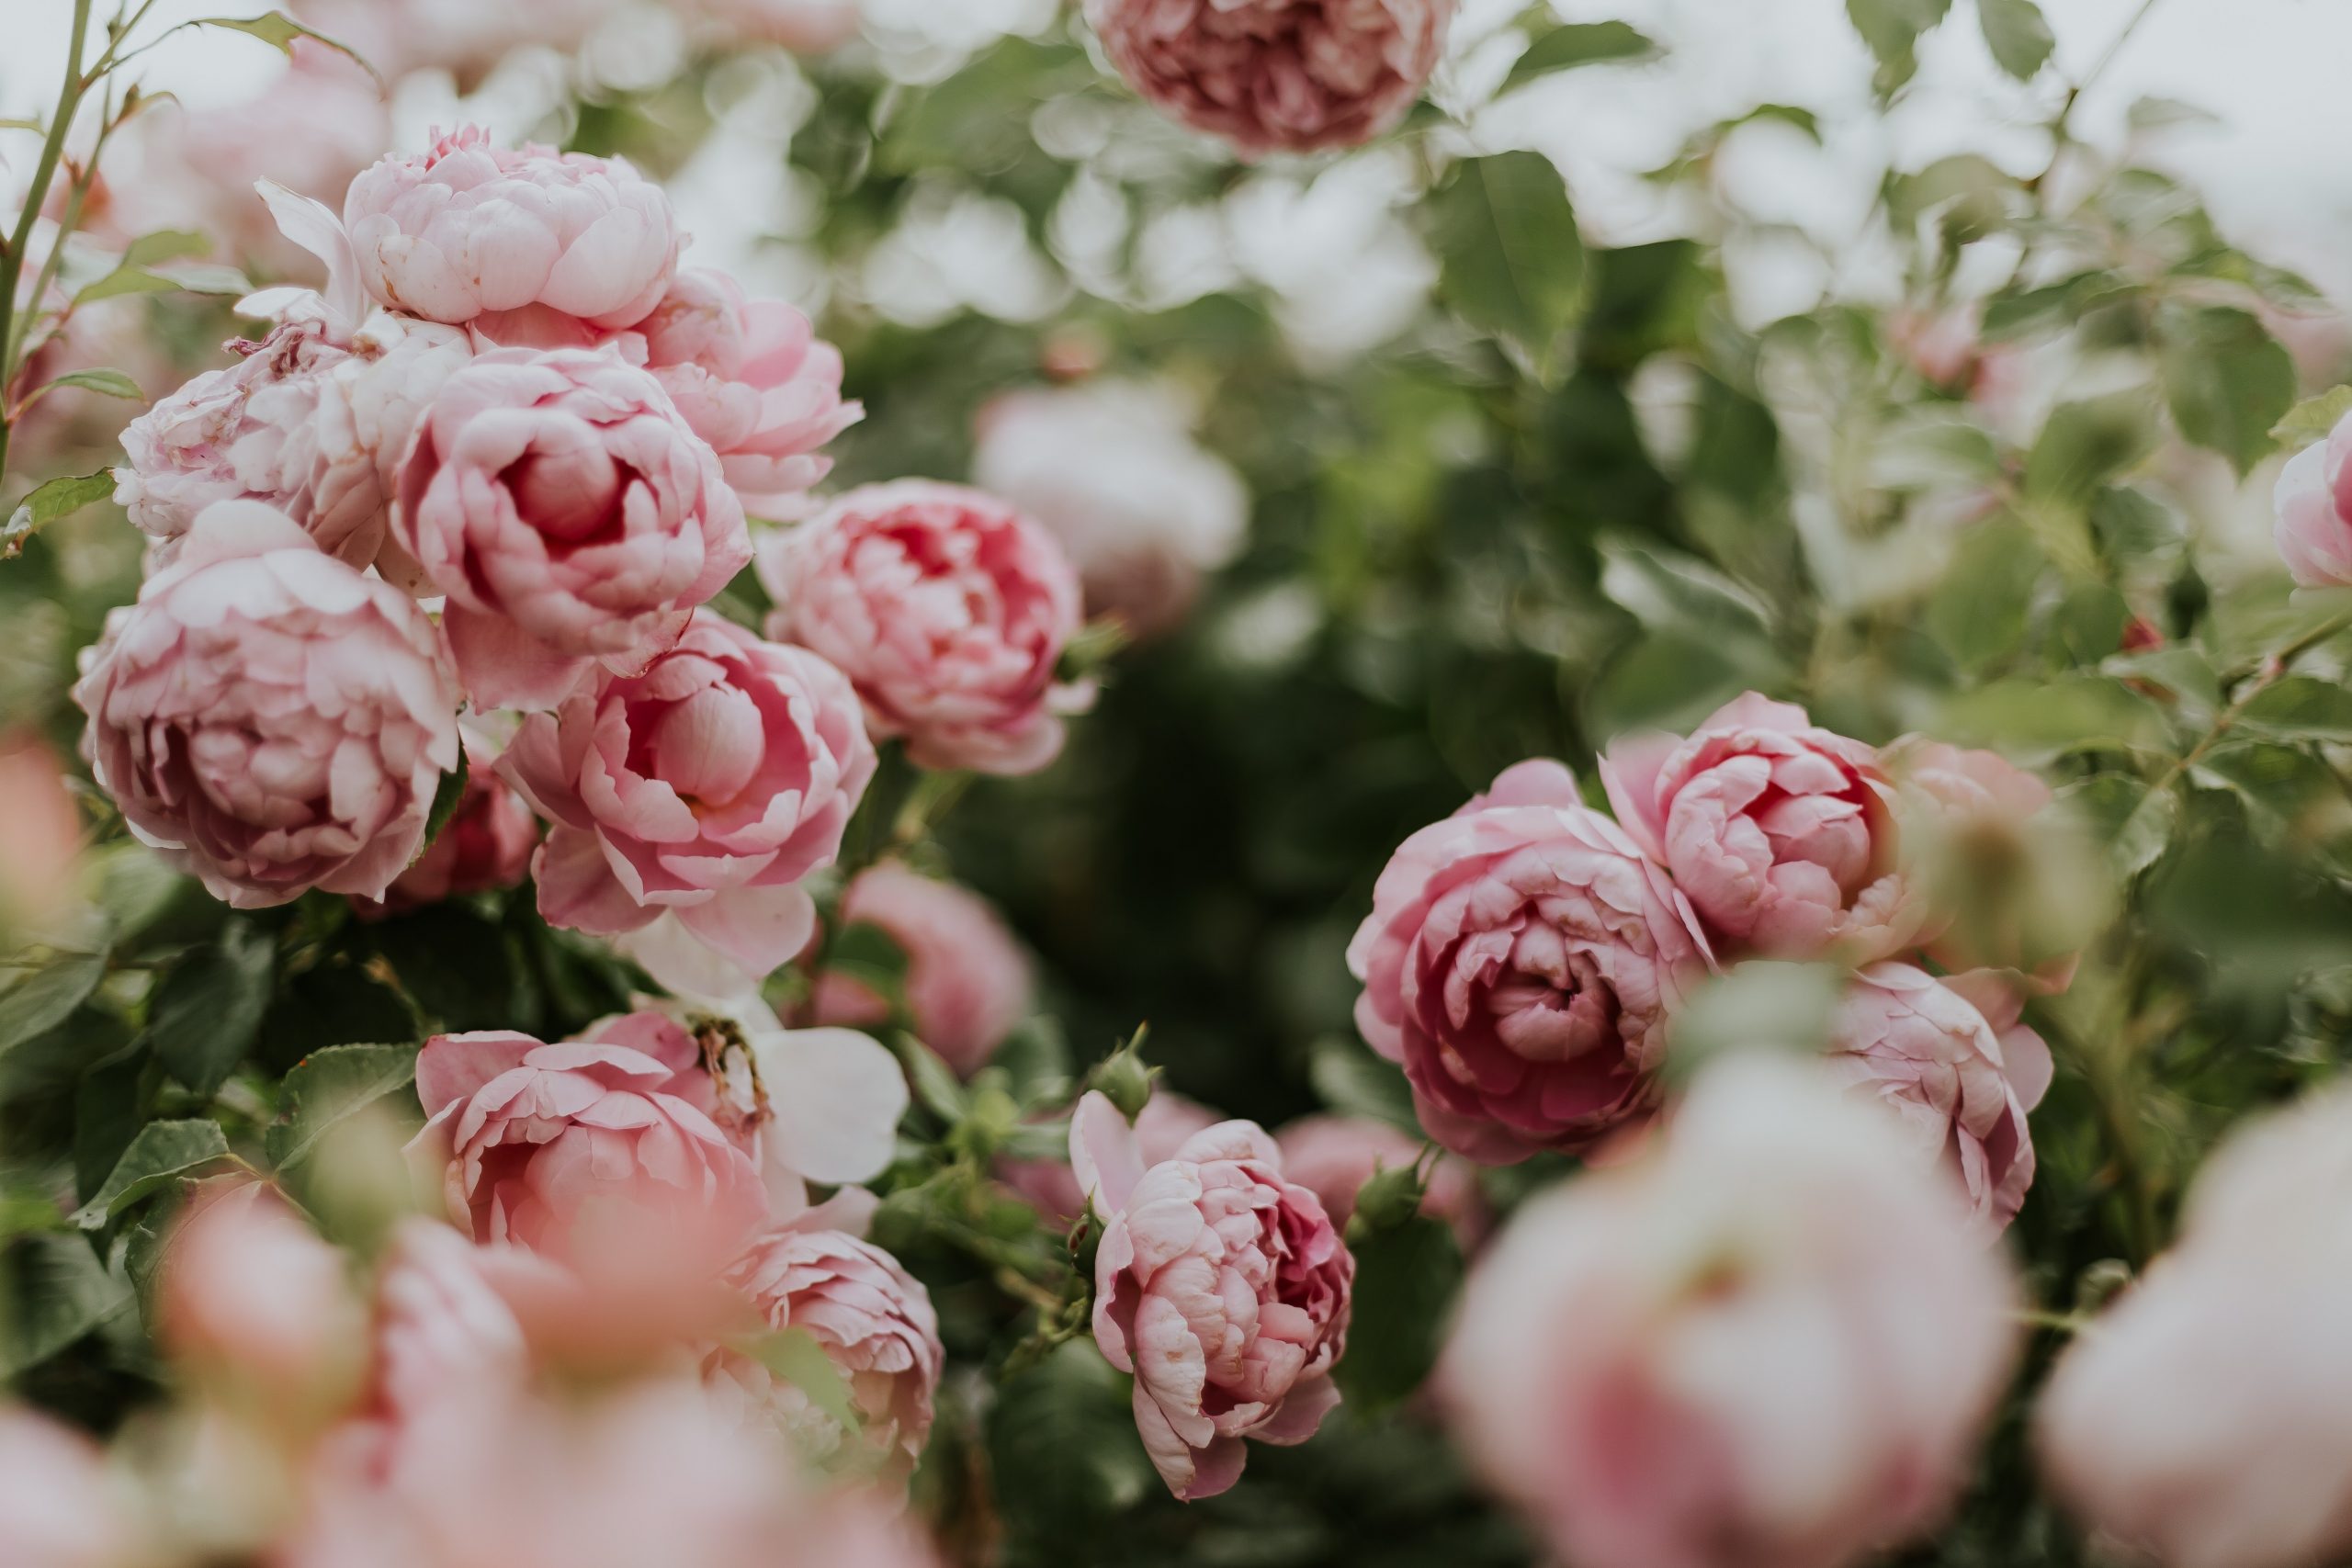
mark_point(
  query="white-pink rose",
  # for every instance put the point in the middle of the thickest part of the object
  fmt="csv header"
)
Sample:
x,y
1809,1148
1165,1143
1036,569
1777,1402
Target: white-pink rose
x,y
2314,512
947,610
967,982
268,717
257,1306
58,1508
1773,1340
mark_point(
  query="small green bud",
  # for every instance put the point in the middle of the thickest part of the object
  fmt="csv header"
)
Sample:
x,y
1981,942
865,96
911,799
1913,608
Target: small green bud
x,y
1387,1200
1124,1079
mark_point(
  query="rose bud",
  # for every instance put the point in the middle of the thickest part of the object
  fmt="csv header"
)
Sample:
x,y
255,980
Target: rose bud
x,y
1631,1354
967,981
1165,1124
949,613
1519,962
1276,75
2314,512
267,717
1221,1286
1334,1155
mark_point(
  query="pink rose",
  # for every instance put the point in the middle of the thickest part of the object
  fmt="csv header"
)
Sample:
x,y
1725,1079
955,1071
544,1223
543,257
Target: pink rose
x,y
1971,821
58,1508
40,832
486,845
2314,512
946,609
1960,1089
752,379
571,515
1519,962
1267,75
468,229
874,1323
269,718
2202,1422
1334,1155
1771,1340
467,40
256,1305
1781,834
1221,1286
711,785
804,26
968,981
1165,1123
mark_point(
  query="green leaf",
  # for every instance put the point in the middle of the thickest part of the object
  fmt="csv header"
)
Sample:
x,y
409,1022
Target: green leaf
x,y
107,1116
2154,113
447,797
47,503
166,244
1892,29
2310,420
795,1356
334,1002
197,277
1062,1445
1979,609
2134,823
1580,43
935,1084
2060,304
161,1153
328,1089
870,955
103,379
54,1290
1350,1079
47,998
125,280
2084,445
458,967
2018,34
1510,261
2226,378
1669,592
209,1007
2300,707
276,29
2029,718
1406,1279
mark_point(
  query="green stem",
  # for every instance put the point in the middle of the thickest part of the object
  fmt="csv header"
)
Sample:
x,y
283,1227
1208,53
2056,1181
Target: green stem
x,y
12,265
2062,129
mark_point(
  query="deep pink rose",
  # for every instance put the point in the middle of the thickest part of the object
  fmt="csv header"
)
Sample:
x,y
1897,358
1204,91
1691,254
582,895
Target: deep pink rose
x,y
1267,75
58,1508
754,379
1519,962
947,610
1334,1155
1773,1340
468,229
571,515
1781,834
269,718
486,845
711,785
1220,1285
1165,1123
2314,512
968,981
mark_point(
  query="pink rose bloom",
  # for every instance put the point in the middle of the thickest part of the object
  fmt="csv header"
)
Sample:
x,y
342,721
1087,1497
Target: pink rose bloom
x,y
2202,1421
41,833
710,785
551,1146
1773,1339
469,228
267,717
1519,962
1923,1048
2314,512
968,981
946,609
1958,804
1276,75
465,39
1780,834
804,26
1165,1123
1221,1286
752,379
486,845
570,514
1334,1155
256,1305
873,1321
57,1507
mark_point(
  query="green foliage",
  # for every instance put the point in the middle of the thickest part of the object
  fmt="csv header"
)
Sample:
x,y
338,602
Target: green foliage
x,y
1511,261
1405,1278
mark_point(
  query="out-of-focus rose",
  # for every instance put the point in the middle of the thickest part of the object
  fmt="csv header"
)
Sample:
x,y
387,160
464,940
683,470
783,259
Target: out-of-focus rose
x,y
946,609
2001,880
966,981
709,785
1960,1087
468,229
2202,1421
571,515
1223,1286
269,718
755,380
873,1321
1114,473
486,844
1519,962
2314,511
1268,75
57,1508
1165,1123
40,832
1774,1339
261,1310
804,26
1782,835
1334,1155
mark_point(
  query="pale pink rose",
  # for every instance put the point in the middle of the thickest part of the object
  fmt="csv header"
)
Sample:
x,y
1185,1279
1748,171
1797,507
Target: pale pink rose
x,y
486,845
967,982
1967,813
57,1507
1223,1286
1276,75
1165,1123
446,1323
556,1147
2314,512
269,718
251,1301
1773,1339
1142,512
1782,835
571,515
754,379
462,37
1334,1155
709,785
804,26
1958,1087
1519,962
2203,1421
873,1321
946,609
40,832
468,229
